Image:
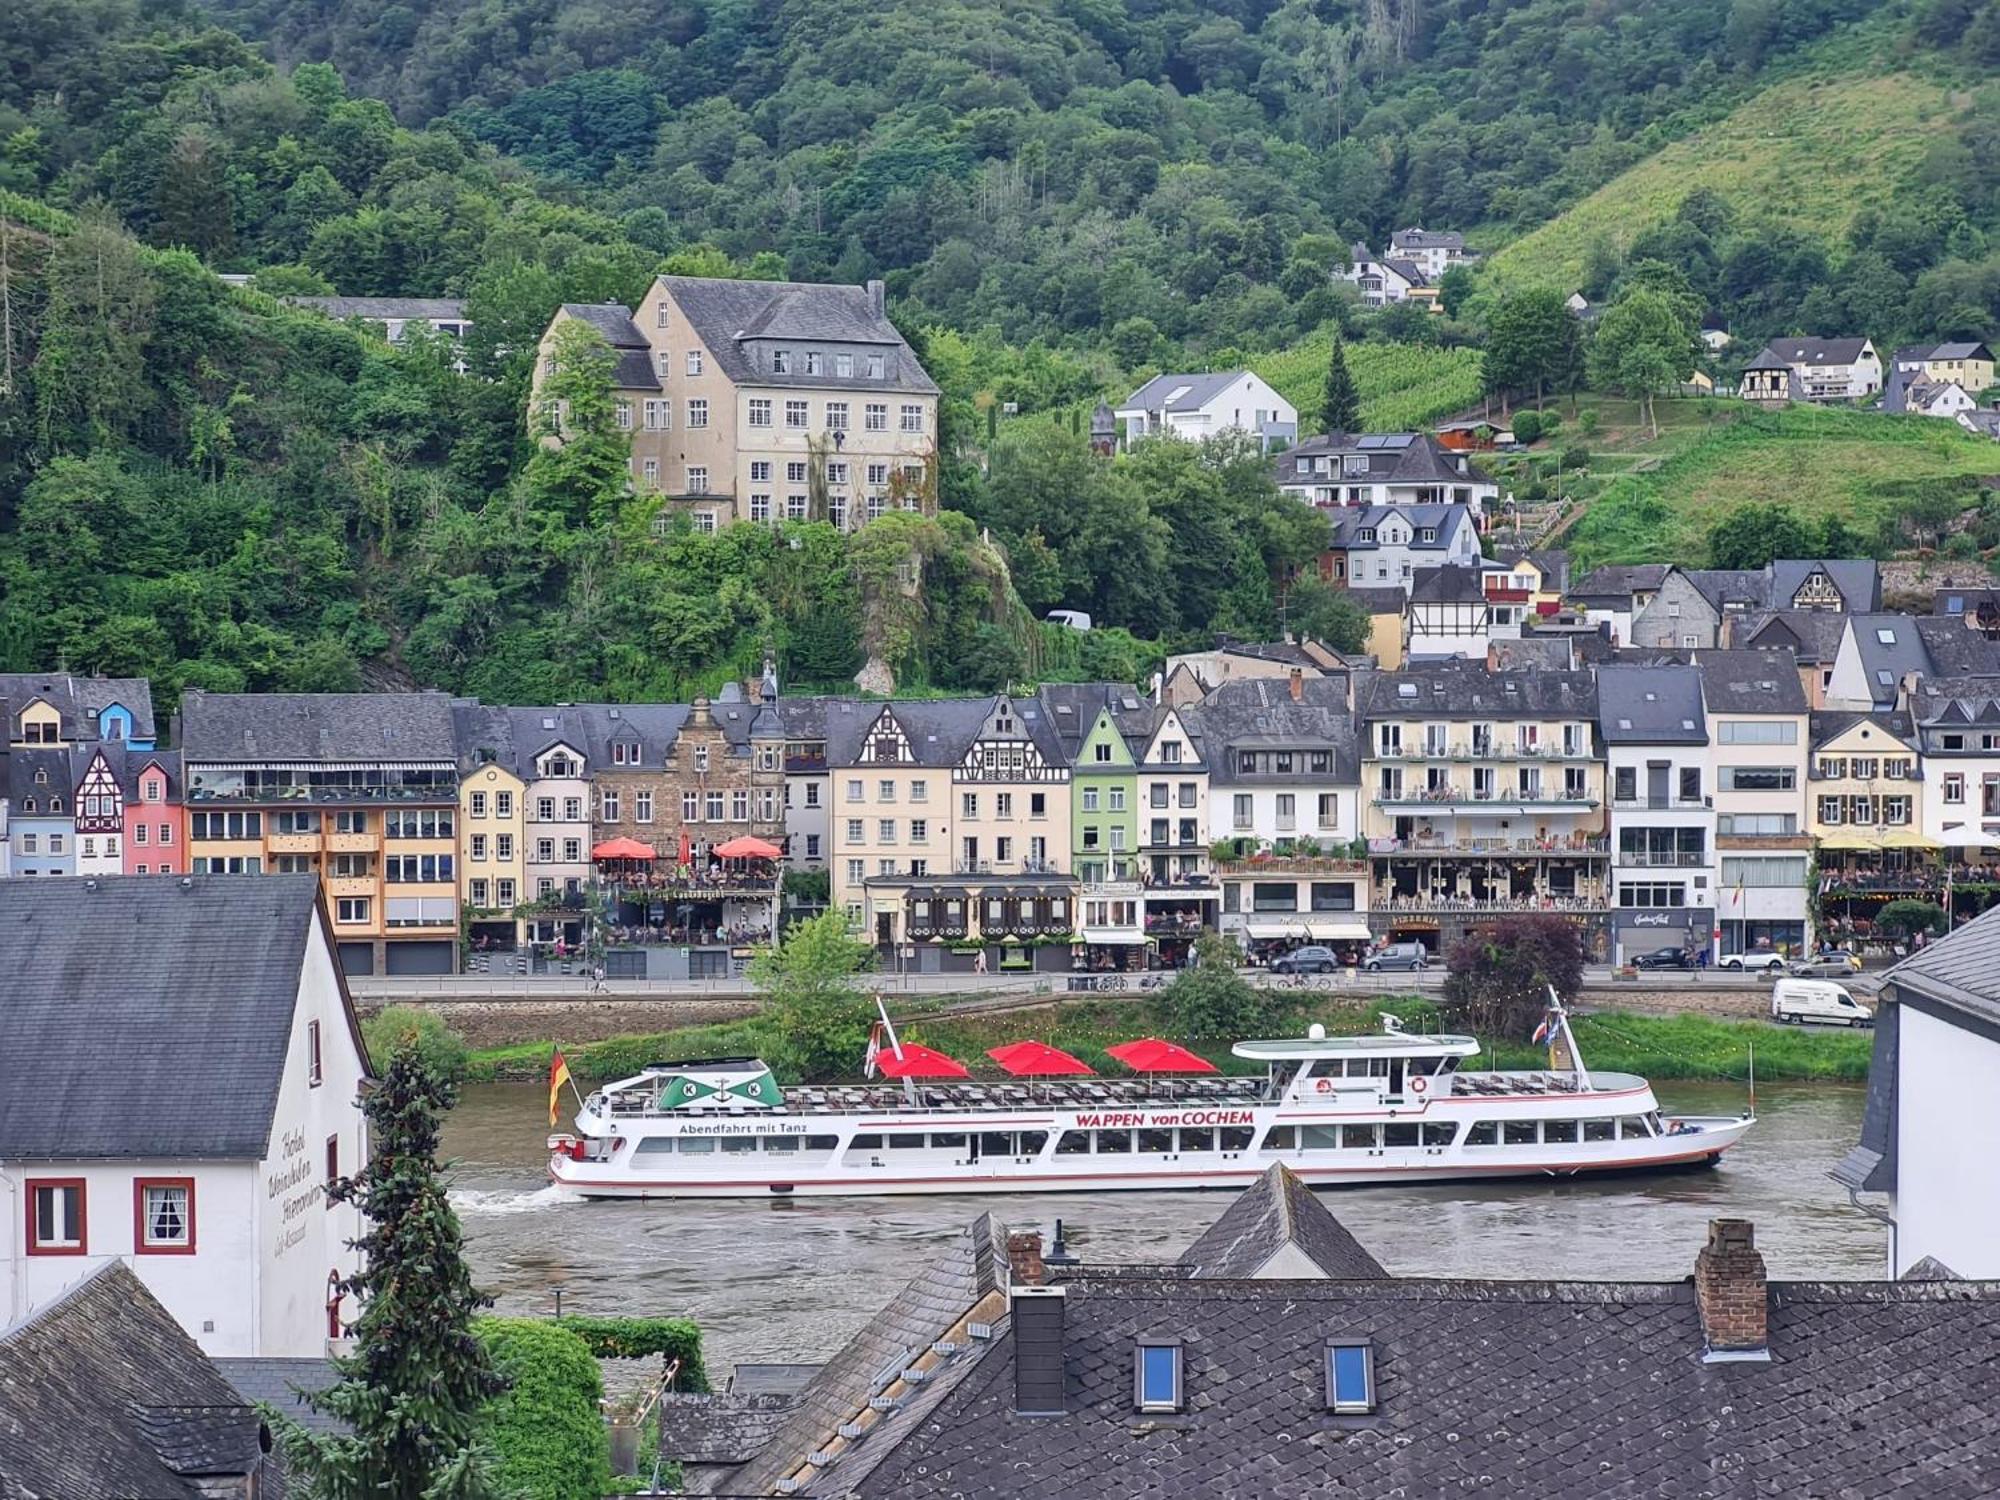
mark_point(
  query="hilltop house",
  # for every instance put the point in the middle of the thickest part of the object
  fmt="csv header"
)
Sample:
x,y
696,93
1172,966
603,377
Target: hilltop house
x,y
766,400
1383,468
1431,251
195,1068
1811,369
1385,545
1968,365
396,315
1203,406
1388,278
1688,607
1926,396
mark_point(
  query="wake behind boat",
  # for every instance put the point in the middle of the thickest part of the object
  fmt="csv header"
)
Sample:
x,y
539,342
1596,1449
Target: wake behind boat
x,y
1391,1107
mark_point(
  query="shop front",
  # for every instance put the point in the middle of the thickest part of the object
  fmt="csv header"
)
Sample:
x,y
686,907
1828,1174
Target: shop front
x,y
1688,928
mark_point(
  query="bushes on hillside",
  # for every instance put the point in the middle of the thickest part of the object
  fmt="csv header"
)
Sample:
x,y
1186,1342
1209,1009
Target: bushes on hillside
x,y
441,1047
546,1429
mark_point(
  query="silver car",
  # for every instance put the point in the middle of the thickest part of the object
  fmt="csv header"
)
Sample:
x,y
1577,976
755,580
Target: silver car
x,y
1398,956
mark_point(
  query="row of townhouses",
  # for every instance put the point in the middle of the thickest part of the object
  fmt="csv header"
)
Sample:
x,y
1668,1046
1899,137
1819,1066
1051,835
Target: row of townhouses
x,y
1724,795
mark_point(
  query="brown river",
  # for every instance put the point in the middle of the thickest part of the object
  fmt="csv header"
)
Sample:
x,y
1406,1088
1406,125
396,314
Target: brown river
x,y
791,1281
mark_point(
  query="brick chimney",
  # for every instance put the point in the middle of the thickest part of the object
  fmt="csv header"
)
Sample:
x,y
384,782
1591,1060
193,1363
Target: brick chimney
x,y
1296,681
1731,1294
1024,1259
878,299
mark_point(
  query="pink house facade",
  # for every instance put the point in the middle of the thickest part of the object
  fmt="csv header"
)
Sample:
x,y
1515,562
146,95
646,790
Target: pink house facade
x,y
155,818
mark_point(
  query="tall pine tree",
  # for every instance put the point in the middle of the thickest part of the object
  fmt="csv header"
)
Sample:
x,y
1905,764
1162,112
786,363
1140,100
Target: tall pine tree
x,y
1342,408
410,1395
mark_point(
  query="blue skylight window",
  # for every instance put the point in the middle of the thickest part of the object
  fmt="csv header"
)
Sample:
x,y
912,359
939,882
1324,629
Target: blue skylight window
x,y
1350,1376
1156,1376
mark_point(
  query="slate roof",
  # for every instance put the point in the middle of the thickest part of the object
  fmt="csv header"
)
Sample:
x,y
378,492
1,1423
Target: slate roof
x,y
1809,351
1450,688
770,1379
1553,562
23,763
1954,703
1548,653
1517,1389
1393,458
652,726
1828,725
1954,651
1409,270
279,1383
1200,390
1447,520
1750,682
1963,604
1650,705
1426,239
258,727
383,309
1276,1213
1961,351
721,1429
734,317
79,700
175,992
940,730
1447,585
104,1395
1073,707
1813,636
1259,712
1616,585
1386,599
969,1269
1859,580
1960,970
633,368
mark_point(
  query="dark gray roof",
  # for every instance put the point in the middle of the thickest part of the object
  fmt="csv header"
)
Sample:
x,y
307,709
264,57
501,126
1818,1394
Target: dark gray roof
x,y
1195,391
1859,580
530,731
1725,588
280,1383
770,1379
1447,520
1545,653
802,718
23,764
79,700
1451,688
1392,458
1553,561
1871,1166
1960,971
973,1266
1388,599
1447,585
652,726
1073,708
1276,1213
103,1394
1620,582
940,730
1929,1268
442,309
256,727
612,320
1808,351
1940,704
1963,604
1426,239
731,1429
1830,724
1519,1389
1750,682
1953,651
178,992
1812,635
736,319
1259,712
1961,351
1650,705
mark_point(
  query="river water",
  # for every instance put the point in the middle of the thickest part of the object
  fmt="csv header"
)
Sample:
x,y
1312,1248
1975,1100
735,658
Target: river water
x,y
792,1281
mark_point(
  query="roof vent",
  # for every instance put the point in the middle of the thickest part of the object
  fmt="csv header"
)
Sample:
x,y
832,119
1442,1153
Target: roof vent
x,y
612,712
854,1432
883,1403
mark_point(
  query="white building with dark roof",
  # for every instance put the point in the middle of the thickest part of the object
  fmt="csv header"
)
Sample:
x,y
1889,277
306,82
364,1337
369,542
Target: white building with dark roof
x,y
1654,728
1383,468
1813,369
188,1069
1432,251
1207,405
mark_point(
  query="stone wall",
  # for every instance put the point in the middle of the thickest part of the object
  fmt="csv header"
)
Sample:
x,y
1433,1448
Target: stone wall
x,y
504,1023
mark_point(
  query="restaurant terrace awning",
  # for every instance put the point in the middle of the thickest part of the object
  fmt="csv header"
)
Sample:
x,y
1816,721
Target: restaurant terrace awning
x,y
1321,928
622,848
1898,839
747,847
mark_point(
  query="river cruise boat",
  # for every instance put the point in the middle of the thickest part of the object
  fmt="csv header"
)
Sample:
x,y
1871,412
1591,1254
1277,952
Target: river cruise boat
x,y
1391,1107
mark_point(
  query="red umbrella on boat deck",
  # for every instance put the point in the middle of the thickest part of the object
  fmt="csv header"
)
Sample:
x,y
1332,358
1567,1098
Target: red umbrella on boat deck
x,y
747,847
1151,1055
918,1062
1038,1060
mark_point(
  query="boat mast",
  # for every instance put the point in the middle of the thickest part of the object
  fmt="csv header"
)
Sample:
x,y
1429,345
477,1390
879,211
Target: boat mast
x,y
1569,1039
895,1046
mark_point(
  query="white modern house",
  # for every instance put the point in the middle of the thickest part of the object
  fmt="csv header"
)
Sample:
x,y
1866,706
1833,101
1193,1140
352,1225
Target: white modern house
x,y
1812,369
1757,720
1432,251
1957,722
1654,727
1384,468
183,1075
1195,407
1933,1106
1390,277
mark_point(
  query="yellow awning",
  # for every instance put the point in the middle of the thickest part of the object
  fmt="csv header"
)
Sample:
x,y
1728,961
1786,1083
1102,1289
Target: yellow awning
x,y
1898,839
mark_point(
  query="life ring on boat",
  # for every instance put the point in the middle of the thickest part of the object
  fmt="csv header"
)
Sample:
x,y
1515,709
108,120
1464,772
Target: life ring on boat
x,y
1417,1085
1324,1086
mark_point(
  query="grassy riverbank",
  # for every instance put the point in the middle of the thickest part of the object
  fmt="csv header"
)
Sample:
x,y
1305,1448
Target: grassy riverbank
x,y
1680,1047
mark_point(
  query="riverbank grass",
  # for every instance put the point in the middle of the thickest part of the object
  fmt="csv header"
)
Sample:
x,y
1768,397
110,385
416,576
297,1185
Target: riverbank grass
x,y
1679,1047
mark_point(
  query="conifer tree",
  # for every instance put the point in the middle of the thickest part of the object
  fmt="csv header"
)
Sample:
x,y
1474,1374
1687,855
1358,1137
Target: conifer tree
x,y
1342,409
410,1396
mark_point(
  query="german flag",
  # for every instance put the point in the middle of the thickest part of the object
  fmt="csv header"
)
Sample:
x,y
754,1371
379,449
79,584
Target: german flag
x,y
558,1076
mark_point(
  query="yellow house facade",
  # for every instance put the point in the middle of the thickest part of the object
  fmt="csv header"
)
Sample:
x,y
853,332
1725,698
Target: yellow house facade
x,y
492,823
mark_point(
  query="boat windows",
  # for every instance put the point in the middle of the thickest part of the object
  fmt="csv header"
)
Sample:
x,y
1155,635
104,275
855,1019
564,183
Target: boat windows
x,y
1282,1138
1422,1067
948,1141
1519,1133
781,1143
1156,1142
1360,1137
738,1145
996,1143
1032,1142
1318,1137
1653,1122
697,1145
1483,1133
822,1142
1558,1132
1437,1135
1399,1135
907,1142
1197,1140
653,1145
1600,1130
865,1143
1073,1143
1634,1128
1114,1141
1237,1138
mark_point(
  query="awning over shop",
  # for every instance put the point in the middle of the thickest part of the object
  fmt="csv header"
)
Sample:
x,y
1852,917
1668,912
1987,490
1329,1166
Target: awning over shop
x,y
1868,841
1325,929
1114,937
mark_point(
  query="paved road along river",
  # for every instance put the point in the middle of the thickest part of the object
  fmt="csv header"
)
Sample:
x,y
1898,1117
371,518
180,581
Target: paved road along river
x,y
791,1281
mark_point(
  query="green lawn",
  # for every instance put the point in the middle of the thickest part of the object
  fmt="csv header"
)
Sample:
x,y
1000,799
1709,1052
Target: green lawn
x,y
1814,150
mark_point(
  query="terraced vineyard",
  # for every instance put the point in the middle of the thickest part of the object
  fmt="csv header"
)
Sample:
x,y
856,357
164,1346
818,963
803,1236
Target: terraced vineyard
x,y
1402,385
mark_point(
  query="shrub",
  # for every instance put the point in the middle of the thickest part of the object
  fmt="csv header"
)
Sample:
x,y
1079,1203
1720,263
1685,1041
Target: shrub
x,y
1502,982
635,1338
1528,426
1588,420
442,1047
1575,458
1212,1001
546,1429
1905,919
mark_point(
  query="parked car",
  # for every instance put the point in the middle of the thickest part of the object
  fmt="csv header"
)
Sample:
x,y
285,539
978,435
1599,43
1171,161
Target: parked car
x,y
1835,965
1399,956
1796,1001
1664,958
1311,959
1759,961
1848,955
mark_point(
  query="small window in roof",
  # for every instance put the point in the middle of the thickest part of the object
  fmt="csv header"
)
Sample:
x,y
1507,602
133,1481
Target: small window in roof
x,y
1687,723
1886,636
1624,723
1156,1375
1954,605
1884,676
1350,1376
1406,690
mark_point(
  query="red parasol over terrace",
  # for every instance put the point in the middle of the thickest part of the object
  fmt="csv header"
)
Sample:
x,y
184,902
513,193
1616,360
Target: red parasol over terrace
x,y
622,848
746,847
1151,1055
1038,1060
918,1062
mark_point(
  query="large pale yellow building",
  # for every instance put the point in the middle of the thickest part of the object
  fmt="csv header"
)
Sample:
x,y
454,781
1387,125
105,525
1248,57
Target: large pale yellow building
x,y
768,400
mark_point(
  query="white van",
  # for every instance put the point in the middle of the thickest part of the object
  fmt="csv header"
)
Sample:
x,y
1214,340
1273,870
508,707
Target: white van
x,y
1799,1000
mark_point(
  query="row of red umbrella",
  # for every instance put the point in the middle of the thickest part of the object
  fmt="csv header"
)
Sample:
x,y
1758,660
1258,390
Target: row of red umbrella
x,y
743,847
1040,1060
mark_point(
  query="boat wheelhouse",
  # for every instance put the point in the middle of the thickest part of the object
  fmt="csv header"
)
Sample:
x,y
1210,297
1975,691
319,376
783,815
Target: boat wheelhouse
x,y
1390,1107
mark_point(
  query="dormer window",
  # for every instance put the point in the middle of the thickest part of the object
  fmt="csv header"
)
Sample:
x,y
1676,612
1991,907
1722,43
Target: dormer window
x,y
1156,1375
1430,533
876,365
1350,1376
41,778
781,361
815,362
624,754
1365,534
701,757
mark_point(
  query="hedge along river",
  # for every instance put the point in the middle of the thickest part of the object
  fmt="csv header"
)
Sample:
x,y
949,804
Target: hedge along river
x,y
791,1281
